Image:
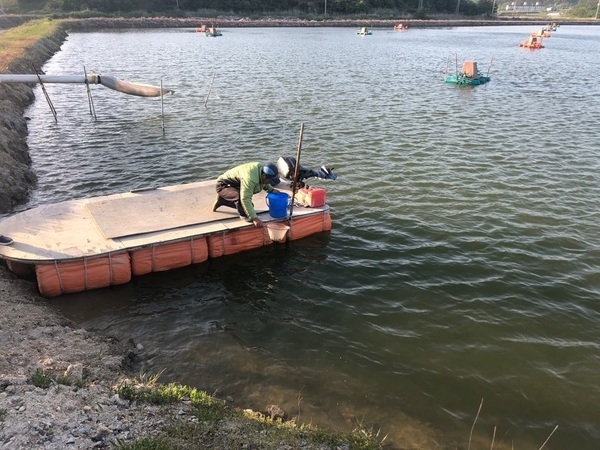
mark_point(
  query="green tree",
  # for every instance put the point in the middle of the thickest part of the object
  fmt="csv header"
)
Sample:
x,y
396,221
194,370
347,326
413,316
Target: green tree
x,y
31,5
585,8
334,7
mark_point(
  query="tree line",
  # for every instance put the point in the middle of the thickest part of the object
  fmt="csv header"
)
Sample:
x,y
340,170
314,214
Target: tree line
x,y
254,7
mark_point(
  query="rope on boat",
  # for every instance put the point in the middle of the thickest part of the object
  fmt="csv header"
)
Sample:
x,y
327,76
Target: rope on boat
x,y
110,269
60,281
153,256
85,272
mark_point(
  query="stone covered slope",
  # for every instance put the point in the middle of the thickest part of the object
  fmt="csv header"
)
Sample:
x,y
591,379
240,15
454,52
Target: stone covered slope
x,y
16,175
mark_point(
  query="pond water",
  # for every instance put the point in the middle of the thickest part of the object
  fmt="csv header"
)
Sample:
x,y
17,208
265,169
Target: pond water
x,y
463,263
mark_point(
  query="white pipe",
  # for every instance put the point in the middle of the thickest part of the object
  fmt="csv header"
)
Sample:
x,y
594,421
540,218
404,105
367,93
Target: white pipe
x,y
141,90
13,78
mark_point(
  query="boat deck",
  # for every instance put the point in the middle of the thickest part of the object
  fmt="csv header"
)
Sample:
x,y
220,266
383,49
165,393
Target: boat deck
x,y
120,222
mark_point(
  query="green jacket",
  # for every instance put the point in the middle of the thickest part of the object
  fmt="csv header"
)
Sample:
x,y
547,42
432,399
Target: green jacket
x,y
247,178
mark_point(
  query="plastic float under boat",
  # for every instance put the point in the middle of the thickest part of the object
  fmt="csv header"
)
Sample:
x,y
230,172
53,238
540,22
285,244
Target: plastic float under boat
x,y
93,243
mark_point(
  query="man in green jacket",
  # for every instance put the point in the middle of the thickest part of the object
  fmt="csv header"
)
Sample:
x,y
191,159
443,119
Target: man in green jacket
x,y
236,187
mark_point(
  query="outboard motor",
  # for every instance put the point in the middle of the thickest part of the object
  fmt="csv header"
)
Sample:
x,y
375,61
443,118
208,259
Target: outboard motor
x,y
286,165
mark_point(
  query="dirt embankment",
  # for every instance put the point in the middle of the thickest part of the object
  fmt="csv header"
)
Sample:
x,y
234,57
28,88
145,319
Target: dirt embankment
x,y
16,176
34,337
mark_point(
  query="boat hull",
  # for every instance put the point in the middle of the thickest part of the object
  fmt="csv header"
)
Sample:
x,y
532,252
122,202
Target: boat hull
x,y
94,243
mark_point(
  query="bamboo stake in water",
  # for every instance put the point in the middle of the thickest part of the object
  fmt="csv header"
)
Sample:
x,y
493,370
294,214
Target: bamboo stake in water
x,y
46,95
209,89
491,61
162,105
447,64
89,94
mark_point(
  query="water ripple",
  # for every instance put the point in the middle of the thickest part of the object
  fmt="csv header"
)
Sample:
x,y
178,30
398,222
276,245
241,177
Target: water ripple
x,y
463,259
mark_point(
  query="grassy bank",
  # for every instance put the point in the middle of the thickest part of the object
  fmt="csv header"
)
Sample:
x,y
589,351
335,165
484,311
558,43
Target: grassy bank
x,y
218,426
15,42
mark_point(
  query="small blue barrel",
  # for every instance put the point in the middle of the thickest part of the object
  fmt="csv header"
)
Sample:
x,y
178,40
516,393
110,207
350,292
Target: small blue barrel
x,y
278,203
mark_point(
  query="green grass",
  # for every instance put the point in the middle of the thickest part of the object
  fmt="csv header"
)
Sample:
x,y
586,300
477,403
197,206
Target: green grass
x,y
41,379
220,426
14,42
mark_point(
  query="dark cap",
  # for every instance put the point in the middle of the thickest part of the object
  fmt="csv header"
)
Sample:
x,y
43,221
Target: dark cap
x,y
271,171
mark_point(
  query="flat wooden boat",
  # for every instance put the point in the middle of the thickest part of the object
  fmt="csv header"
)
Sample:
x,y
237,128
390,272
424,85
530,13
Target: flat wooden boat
x,y
97,242
533,42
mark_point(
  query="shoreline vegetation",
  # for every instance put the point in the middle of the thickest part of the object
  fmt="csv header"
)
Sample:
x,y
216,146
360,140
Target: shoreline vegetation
x,y
61,386
94,23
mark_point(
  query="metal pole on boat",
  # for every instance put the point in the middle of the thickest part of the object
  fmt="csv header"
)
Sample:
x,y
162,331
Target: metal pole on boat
x,y
295,179
46,95
89,94
209,89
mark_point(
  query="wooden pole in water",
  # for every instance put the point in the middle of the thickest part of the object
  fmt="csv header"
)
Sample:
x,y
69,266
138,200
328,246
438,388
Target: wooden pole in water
x,y
89,94
46,95
491,61
209,89
162,105
295,179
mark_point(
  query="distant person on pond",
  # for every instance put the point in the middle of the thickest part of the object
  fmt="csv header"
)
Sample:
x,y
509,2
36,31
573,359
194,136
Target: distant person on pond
x,y
236,187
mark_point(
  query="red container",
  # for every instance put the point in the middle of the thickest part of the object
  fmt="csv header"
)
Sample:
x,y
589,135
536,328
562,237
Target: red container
x,y
311,197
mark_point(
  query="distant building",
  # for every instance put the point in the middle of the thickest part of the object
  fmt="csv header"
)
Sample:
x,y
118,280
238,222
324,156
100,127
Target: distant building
x,y
525,7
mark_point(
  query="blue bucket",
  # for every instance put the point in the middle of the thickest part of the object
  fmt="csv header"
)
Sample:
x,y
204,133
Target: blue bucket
x,y
278,203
